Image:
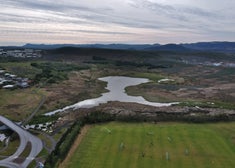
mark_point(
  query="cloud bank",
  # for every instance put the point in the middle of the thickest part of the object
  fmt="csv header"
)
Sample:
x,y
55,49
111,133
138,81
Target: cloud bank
x,y
116,21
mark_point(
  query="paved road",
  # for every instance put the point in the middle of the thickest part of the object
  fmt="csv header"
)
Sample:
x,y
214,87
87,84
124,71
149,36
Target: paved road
x,y
50,138
25,137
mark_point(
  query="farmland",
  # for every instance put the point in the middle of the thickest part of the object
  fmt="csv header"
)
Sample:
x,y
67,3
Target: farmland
x,y
156,145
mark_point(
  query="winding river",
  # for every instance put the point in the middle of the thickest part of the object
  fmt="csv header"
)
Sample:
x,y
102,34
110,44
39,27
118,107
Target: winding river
x,y
116,86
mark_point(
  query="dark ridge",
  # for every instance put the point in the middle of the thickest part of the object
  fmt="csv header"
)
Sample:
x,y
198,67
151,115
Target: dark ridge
x,y
169,47
103,46
212,46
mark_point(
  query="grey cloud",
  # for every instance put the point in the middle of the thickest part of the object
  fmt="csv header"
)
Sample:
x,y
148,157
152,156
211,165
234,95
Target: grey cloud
x,y
19,19
176,12
101,32
28,31
198,20
99,15
51,5
40,19
37,5
141,15
70,13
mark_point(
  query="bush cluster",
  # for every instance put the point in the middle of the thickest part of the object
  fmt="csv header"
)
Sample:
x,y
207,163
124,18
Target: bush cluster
x,y
53,72
63,146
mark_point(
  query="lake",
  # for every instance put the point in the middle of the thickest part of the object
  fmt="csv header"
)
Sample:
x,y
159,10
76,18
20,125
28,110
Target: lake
x,y
116,86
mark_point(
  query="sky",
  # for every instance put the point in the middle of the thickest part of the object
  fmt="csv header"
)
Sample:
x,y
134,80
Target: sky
x,y
116,21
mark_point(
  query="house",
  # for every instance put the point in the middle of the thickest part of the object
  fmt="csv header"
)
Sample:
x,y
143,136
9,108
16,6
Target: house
x,y
25,79
3,81
2,137
8,87
19,79
12,76
23,84
7,74
40,165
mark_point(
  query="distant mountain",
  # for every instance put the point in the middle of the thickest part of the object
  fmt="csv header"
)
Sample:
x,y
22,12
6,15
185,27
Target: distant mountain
x,y
228,47
48,46
103,46
168,47
211,46
200,46
119,46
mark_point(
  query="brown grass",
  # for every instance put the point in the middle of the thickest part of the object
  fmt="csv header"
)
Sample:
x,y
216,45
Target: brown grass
x,y
19,103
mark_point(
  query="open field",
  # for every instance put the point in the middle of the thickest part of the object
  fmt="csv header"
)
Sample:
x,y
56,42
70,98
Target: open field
x,y
20,103
156,145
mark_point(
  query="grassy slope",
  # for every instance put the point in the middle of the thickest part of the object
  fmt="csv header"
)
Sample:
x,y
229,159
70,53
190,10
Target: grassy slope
x,y
18,104
208,145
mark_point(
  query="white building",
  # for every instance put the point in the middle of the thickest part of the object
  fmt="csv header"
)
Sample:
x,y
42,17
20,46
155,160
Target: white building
x,y
2,137
2,71
8,86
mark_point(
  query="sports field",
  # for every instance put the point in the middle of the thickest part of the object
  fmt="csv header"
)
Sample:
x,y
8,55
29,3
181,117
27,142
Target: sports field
x,y
143,145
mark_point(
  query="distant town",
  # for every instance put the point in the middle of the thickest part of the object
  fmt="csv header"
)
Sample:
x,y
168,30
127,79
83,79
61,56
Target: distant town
x,y
23,53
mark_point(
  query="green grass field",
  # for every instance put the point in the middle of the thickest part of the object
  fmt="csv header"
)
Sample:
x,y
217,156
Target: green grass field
x,y
143,145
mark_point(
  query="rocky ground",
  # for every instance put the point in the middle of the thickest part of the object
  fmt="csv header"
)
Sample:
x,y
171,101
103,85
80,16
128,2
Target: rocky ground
x,y
134,111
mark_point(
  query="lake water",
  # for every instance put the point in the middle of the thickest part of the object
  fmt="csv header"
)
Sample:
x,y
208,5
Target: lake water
x,y
116,86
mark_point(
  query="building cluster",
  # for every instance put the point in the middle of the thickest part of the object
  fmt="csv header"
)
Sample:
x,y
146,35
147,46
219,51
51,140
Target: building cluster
x,y
25,53
11,81
46,127
210,63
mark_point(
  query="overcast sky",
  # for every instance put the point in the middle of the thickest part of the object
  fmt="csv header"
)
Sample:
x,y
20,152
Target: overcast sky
x,y
116,21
